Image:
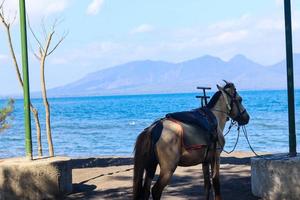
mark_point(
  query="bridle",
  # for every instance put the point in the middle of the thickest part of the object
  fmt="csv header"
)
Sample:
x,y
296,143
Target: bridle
x,y
235,120
229,106
233,100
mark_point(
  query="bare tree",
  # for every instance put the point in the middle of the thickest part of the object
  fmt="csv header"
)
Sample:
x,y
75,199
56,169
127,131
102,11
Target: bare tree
x,y
45,50
7,25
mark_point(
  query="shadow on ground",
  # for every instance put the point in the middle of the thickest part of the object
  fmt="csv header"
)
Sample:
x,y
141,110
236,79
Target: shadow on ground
x,y
120,193
234,184
100,162
107,162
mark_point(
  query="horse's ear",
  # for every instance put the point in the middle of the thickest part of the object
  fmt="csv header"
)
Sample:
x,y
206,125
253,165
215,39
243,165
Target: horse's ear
x,y
219,88
226,82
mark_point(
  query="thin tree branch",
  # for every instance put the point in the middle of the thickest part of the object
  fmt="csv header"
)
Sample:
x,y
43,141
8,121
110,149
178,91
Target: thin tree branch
x,y
57,44
36,56
34,53
1,5
14,18
41,53
44,28
11,48
54,24
48,42
35,37
3,20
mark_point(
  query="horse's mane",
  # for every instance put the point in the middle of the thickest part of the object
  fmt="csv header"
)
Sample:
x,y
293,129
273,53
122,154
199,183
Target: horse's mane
x,y
229,85
212,102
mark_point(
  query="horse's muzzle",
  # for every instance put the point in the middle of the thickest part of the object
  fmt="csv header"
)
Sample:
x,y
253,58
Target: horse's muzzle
x,y
243,118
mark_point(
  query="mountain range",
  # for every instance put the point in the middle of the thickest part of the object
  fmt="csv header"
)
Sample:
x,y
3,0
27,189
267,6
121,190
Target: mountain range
x,y
141,77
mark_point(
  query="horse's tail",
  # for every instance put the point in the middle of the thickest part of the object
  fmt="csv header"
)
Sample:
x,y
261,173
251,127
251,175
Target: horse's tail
x,y
142,157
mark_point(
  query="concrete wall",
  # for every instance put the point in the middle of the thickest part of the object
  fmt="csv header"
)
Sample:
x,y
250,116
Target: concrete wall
x,y
47,178
276,177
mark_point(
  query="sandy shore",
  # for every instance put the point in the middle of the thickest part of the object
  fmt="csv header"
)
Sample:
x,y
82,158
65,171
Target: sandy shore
x,y
111,178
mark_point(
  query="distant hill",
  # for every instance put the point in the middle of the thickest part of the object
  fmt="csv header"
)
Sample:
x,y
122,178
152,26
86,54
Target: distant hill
x,y
148,76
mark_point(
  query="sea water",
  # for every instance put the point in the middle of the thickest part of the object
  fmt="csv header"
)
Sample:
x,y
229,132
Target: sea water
x,y
109,125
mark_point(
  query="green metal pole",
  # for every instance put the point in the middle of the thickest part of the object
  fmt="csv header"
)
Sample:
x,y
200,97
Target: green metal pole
x,y
28,141
290,77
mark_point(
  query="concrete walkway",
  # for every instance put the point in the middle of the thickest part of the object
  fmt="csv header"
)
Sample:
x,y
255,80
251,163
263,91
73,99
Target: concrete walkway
x,y
115,182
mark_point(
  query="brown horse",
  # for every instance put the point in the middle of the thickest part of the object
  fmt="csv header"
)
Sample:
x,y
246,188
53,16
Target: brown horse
x,y
169,152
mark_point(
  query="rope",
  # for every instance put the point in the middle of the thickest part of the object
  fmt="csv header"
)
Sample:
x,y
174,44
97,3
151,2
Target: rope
x,y
246,136
236,142
233,123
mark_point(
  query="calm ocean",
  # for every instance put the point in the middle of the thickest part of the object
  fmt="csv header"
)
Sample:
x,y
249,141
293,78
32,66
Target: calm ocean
x,y
95,126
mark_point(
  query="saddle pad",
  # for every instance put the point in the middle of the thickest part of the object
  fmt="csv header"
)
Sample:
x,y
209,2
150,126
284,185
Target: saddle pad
x,y
202,118
195,137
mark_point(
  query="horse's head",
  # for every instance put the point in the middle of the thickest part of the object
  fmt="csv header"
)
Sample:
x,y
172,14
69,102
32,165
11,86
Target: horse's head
x,y
233,101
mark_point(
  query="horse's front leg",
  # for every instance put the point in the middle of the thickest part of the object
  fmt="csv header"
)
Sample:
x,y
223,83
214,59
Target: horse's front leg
x,y
216,177
206,175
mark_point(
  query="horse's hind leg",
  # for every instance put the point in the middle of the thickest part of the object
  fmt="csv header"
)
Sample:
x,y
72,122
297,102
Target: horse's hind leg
x,y
168,157
147,186
216,178
163,180
216,185
168,163
168,152
207,184
150,172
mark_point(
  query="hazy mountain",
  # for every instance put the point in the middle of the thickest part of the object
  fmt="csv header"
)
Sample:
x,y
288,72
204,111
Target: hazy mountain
x,y
164,77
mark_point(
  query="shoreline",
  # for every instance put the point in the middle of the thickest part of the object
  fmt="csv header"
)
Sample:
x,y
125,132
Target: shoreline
x,y
107,161
37,96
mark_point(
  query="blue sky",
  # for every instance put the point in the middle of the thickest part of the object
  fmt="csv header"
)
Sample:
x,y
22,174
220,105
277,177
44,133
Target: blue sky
x,y
104,33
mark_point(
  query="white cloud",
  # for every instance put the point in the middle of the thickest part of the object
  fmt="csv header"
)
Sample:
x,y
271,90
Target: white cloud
x,y
227,37
57,6
94,7
259,38
36,9
231,23
144,28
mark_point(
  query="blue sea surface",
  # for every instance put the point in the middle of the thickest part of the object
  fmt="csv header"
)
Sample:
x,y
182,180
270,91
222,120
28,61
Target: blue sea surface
x,y
109,125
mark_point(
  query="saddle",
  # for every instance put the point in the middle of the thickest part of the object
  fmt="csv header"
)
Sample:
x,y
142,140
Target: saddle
x,y
199,127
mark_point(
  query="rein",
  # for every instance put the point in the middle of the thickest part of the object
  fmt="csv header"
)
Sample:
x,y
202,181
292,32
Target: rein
x,y
246,136
234,120
221,111
244,130
232,123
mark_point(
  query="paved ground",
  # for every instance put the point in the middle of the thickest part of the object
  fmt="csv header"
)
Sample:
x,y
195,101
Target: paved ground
x,y
111,178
